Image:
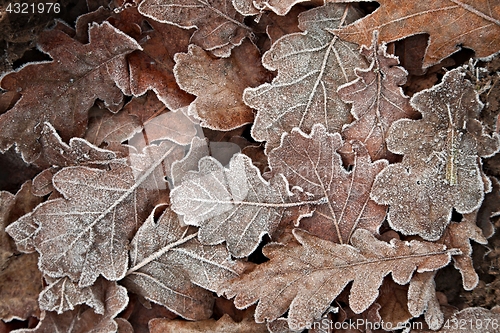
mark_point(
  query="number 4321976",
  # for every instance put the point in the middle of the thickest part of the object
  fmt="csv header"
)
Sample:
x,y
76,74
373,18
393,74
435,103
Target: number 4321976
x,y
33,8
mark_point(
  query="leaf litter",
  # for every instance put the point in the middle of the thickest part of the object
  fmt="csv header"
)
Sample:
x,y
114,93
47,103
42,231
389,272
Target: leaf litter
x,y
351,203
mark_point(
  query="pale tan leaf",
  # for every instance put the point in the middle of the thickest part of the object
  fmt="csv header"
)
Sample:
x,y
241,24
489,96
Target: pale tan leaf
x,y
172,268
219,26
311,66
422,298
224,325
197,150
312,163
235,205
304,279
440,169
219,84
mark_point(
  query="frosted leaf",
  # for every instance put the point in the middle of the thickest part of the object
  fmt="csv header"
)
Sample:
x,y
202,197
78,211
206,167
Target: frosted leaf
x,y
422,298
235,205
304,279
312,163
197,150
311,66
440,168
224,324
170,267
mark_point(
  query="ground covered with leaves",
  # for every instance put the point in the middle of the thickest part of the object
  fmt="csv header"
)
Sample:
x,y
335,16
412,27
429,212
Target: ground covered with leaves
x,y
250,166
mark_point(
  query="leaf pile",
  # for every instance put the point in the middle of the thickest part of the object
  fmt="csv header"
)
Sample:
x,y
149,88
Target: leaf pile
x,y
248,166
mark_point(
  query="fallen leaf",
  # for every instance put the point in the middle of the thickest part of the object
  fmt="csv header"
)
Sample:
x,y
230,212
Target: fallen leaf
x,y
489,208
170,267
280,7
458,235
377,100
471,24
197,150
83,319
312,163
219,26
86,233
224,324
311,66
219,84
235,205
61,91
305,279
440,169
422,298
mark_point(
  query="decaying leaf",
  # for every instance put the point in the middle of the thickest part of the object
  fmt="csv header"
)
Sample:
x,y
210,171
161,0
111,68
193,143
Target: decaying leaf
x,y
305,279
225,324
311,66
377,100
312,163
61,91
440,168
219,26
235,205
83,319
86,233
171,267
455,24
219,84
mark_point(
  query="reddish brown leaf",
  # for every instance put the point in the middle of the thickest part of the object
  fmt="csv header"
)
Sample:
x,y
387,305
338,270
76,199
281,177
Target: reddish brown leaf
x,y
219,84
311,66
471,24
305,279
440,169
61,91
312,163
377,100
219,26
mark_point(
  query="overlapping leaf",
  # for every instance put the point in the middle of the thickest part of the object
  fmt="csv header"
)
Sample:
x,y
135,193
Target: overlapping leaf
x,y
471,24
235,205
86,233
219,84
377,100
219,26
253,7
440,169
305,279
62,91
311,66
168,266
312,163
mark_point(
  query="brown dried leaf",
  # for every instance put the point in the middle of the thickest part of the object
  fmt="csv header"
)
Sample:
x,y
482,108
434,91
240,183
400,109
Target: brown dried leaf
x,y
84,319
306,279
219,26
235,205
219,84
168,266
489,208
312,163
471,320
377,100
225,324
470,24
86,233
311,66
422,298
280,7
440,170
458,235
61,91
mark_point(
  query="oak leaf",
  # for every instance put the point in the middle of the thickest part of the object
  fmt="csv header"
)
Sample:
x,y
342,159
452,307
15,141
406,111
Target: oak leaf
x,y
83,319
304,279
476,319
311,66
224,324
312,163
171,267
377,100
470,24
422,298
219,84
219,26
233,204
440,169
61,91
86,233
253,7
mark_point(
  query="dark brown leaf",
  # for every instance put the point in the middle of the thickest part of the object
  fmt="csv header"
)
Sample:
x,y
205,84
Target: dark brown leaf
x,y
61,91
